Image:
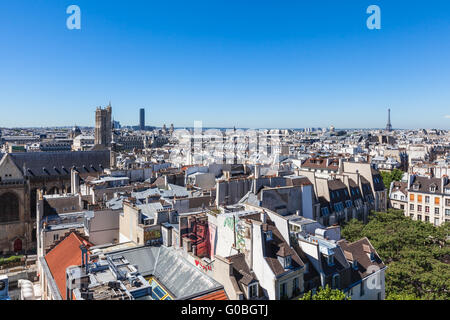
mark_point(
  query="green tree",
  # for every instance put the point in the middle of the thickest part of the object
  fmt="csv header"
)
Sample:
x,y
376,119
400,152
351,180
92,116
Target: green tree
x,y
417,253
388,177
325,294
401,296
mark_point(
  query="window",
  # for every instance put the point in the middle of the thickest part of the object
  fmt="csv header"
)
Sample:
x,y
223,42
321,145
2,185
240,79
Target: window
x,y
436,221
432,188
419,198
436,200
419,208
325,211
335,281
296,285
427,209
395,196
55,237
253,290
339,207
361,289
348,203
269,235
411,197
411,216
287,262
419,217
379,295
427,219
402,206
355,264
436,210
447,202
427,199
447,212
283,291
330,260
411,207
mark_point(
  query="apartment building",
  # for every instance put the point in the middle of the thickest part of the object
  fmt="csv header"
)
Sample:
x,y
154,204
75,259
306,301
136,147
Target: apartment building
x,y
429,199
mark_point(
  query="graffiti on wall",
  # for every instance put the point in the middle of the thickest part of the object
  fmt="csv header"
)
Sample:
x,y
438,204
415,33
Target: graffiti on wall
x,y
239,228
203,266
152,234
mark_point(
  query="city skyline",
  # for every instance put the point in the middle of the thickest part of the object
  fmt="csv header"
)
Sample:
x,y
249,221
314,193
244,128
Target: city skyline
x,y
235,64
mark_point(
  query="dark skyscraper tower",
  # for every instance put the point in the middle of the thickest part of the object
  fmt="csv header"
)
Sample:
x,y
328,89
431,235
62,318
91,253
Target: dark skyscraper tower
x,y
389,126
142,119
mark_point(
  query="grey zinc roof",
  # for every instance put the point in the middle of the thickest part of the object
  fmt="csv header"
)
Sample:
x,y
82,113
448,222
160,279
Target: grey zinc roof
x,y
173,271
115,203
143,257
181,277
146,193
55,162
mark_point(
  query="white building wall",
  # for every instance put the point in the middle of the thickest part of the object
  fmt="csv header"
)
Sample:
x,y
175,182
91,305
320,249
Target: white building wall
x,y
262,270
374,287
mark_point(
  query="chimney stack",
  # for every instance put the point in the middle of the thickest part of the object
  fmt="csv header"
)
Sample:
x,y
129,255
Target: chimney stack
x,y
74,181
263,217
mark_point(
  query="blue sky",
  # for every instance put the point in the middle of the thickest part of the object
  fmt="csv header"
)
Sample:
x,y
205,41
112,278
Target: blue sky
x,y
228,63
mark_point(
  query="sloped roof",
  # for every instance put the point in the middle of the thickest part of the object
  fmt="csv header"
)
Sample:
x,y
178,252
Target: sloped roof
x,y
360,251
273,246
38,164
174,272
65,254
241,271
216,295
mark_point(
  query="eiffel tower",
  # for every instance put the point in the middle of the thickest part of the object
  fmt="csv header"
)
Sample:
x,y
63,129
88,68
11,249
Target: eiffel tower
x,y
389,126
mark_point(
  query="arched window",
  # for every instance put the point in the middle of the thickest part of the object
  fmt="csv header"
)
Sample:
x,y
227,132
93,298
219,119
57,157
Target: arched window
x,y
33,198
9,207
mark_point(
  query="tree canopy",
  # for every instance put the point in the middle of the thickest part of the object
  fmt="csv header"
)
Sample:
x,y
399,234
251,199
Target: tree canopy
x,y
325,294
417,253
388,177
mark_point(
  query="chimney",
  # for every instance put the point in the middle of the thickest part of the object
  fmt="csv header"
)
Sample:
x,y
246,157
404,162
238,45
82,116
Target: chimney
x,y
74,181
263,217
341,166
257,171
84,258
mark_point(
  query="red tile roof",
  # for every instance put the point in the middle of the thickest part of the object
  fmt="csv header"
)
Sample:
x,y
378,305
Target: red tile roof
x,y
65,254
216,295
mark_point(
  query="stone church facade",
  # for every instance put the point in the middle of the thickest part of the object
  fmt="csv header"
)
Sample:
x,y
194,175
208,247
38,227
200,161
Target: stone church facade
x,y
22,174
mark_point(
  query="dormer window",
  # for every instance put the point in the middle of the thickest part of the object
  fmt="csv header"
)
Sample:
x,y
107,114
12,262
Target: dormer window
x,y
269,235
432,188
253,290
330,260
287,262
355,264
416,187
372,256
